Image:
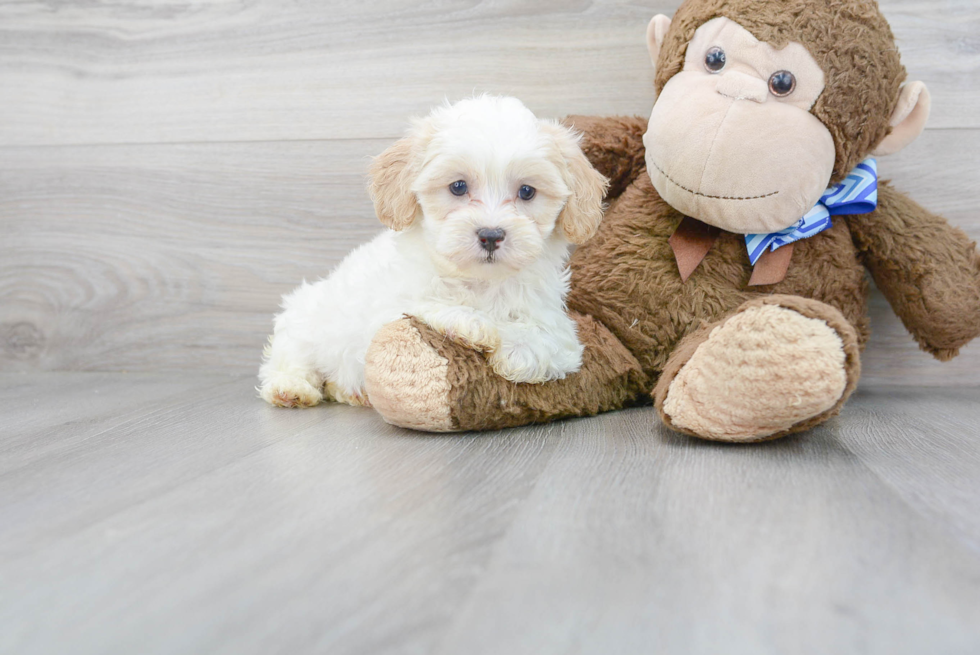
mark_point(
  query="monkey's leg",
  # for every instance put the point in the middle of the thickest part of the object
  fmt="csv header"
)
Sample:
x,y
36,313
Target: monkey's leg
x,y
778,365
417,378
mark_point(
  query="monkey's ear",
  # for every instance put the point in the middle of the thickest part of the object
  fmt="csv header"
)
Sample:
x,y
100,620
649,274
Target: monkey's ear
x,y
392,174
909,119
656,33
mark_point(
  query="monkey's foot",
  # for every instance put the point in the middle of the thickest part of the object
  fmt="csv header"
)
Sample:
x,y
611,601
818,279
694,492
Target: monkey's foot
x,y
407,380
779,365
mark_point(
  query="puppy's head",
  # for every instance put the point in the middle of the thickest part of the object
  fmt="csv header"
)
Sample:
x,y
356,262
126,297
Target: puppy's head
x,y
490,186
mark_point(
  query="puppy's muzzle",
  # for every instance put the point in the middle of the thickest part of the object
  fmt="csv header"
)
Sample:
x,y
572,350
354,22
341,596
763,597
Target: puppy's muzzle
x,y
490,238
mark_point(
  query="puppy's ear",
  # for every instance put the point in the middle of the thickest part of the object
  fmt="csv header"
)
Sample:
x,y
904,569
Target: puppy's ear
x,y
392,174
582,214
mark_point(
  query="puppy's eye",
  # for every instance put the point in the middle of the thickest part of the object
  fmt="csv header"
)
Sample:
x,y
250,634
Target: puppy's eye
x,y
458,188
782,84
526,192
714,61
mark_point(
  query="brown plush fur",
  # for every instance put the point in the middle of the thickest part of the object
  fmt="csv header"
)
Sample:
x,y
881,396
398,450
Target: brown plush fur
x,y
639,322
614,146
926,269
610,378
626,277
848,38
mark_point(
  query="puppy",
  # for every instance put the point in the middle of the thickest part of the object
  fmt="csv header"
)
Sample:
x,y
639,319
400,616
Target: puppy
x,y
483,201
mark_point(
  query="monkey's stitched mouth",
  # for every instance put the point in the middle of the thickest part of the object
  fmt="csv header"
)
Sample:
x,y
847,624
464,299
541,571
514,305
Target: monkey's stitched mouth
x,y
704,195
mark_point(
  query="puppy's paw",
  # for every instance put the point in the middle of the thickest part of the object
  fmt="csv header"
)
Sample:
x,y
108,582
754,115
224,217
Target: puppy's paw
x,y
357,398
474,333
531,362
285,391
534,355
464,326
517,362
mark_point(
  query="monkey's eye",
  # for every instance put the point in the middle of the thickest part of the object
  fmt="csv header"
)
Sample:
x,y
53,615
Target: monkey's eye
x,y
458,188
782,83
714,61
526,192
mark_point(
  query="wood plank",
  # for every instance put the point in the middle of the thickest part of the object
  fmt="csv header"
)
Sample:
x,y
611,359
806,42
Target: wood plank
x,y
256,529
147,250
214,523
669,544
173,72
49,482
36,409
926,446
148,258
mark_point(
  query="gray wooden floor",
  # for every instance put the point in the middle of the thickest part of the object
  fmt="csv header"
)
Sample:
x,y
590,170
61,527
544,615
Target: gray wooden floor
x,y
179,514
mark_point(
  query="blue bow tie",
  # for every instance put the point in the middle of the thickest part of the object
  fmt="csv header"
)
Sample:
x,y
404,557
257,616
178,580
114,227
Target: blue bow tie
x,y
857,194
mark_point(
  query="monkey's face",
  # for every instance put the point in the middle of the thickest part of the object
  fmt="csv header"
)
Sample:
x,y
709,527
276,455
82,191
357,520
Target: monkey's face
x,y
731,139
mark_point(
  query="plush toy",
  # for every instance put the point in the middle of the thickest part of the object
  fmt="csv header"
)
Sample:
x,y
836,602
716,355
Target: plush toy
x,y
727,280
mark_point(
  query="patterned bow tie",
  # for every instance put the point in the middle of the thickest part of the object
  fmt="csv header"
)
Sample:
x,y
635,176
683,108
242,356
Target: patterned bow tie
x,y
857,194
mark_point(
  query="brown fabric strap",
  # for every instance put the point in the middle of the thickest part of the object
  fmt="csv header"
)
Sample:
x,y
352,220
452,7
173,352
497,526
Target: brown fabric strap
x,y
690,242
772,266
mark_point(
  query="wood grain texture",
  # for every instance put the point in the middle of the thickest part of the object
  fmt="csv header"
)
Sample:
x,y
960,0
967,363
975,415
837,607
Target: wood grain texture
x,y
177,71
364,501
166,257
203,520
933,458
668,545
163,256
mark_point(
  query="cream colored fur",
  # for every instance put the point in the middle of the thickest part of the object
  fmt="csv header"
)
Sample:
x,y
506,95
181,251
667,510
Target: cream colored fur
x,y
409,364
431,265
726,390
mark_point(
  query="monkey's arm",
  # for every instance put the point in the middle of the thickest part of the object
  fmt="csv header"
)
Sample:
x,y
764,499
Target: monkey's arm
x,y
614,145
927,269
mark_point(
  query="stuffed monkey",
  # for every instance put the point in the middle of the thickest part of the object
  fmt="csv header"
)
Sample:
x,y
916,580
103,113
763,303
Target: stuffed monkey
x,y
726,284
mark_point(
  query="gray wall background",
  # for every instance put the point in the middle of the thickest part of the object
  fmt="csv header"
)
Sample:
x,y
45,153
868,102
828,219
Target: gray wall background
x,y
169,169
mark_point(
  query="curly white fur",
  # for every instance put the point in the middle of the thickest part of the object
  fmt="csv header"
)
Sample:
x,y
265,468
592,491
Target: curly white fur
x,y
508,303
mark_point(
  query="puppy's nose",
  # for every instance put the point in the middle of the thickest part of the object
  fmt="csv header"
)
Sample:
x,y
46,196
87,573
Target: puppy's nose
x,y
490,238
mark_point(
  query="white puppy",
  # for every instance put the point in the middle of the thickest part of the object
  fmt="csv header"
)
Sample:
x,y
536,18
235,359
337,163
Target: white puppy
x,y
483,200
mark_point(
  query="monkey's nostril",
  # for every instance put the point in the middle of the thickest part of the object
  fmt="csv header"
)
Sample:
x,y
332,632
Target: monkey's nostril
x,y
490,238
